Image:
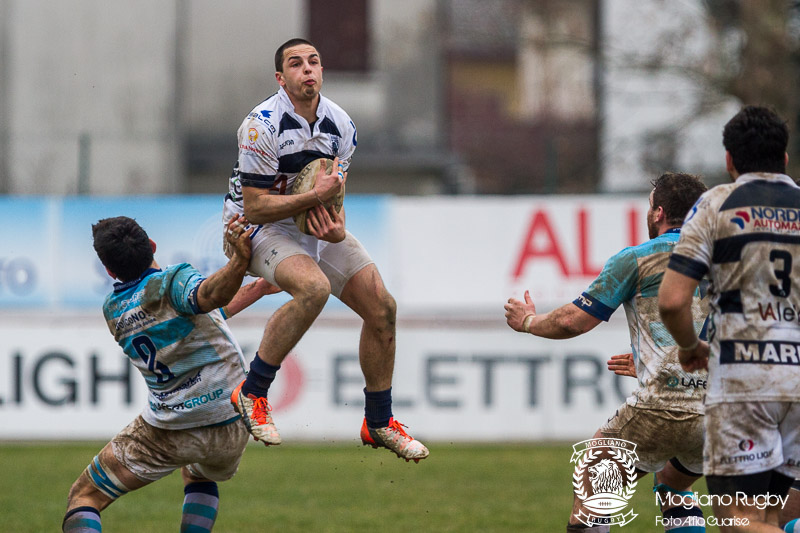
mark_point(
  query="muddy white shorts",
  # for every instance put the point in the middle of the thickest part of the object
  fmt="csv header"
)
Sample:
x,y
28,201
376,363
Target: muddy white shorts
x,y
211,452
272,243
751,437
659,436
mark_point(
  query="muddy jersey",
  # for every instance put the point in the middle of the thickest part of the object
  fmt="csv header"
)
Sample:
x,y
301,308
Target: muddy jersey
x,y
746,236
189,359
631,278
275,143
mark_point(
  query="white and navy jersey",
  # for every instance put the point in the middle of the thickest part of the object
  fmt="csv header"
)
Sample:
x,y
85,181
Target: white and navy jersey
x,y
632,278
746,236
275,143
189,359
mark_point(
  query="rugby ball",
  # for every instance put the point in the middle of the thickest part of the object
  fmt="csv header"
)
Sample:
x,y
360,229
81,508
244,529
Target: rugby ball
x,y
305,181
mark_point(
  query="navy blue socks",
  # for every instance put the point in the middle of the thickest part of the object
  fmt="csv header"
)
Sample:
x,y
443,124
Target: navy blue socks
x,y
378,408
259,378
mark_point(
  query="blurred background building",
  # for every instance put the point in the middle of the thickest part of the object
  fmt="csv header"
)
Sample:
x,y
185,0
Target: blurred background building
x,y
450,96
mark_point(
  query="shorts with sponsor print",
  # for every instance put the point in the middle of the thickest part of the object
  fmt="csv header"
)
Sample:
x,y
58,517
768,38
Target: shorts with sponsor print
x,y
751,437
659,436
273,243
151,453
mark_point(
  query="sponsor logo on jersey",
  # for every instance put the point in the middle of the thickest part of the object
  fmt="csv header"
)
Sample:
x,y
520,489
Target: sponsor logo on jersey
x,y
759,352
262,117
746,445
746,457
252,149
774,218
190,403
674,381
778,312
252,135
288,142
741,218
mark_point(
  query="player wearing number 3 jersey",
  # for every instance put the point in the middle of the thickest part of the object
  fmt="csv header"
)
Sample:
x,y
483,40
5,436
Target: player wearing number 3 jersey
x,y
746,237
168,324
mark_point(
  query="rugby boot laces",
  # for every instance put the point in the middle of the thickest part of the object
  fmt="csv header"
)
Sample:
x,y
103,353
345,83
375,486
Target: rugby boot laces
x,y
255,412
395,439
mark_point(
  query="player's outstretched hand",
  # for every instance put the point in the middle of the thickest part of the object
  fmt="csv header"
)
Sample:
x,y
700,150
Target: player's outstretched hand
x,y
326,224
517,312
238,235
696,358
622,365
249,294
328,185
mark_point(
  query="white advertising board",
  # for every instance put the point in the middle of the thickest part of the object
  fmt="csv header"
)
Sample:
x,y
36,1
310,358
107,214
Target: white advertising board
x,y
451,264
453,381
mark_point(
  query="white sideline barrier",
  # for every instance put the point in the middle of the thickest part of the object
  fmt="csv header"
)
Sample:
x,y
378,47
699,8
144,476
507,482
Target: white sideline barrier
x,y
473,380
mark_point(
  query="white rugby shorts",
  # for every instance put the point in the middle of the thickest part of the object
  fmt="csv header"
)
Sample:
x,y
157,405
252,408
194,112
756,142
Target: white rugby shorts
x,y
659,436
151,453
751,437
272,243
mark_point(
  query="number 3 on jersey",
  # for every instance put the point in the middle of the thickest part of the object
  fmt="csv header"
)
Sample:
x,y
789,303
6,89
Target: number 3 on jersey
x,y
783,274
146,349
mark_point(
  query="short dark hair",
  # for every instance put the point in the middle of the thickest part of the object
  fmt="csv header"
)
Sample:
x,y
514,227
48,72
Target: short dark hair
x,y
122,246
756,137
676,193
282,48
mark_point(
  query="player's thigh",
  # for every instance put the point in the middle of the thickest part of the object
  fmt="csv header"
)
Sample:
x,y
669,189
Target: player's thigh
x,y
659,436
217,450
341,262
743,438
272,245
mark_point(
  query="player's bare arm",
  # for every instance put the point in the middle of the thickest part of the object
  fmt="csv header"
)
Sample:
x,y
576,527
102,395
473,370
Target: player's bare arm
x,y
221,286
248,295
563,323
674,304
261,207
326,224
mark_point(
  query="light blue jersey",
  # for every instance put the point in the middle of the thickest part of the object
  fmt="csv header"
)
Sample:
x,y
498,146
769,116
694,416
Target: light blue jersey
x,y
189,359
632,278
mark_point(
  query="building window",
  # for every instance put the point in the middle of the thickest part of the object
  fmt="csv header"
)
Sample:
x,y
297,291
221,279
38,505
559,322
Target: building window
x,y
339,31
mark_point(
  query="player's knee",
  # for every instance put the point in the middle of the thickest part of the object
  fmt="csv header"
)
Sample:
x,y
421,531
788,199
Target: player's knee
x,y
83,492
315,293
383,314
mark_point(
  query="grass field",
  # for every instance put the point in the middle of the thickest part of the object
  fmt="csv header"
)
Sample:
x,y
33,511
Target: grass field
x,y
336,488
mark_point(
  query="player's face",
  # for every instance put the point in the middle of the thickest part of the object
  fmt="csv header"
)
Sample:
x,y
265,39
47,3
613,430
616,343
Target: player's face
x,y
302,72
652,230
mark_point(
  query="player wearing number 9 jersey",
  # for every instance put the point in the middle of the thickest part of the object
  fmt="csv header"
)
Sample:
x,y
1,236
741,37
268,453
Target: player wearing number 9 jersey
x,y
746,237
169,325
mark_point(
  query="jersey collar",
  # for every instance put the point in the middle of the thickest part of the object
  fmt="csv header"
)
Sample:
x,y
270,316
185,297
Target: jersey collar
x,y
121,286
752,176
321,106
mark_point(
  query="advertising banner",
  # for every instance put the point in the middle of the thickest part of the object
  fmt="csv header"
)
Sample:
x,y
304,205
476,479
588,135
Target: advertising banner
x,y
451,264
65,378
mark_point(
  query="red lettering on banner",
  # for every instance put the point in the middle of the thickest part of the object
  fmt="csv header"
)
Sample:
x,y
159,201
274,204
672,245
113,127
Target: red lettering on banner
x,y
633,226
583,242
540,225
541,243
